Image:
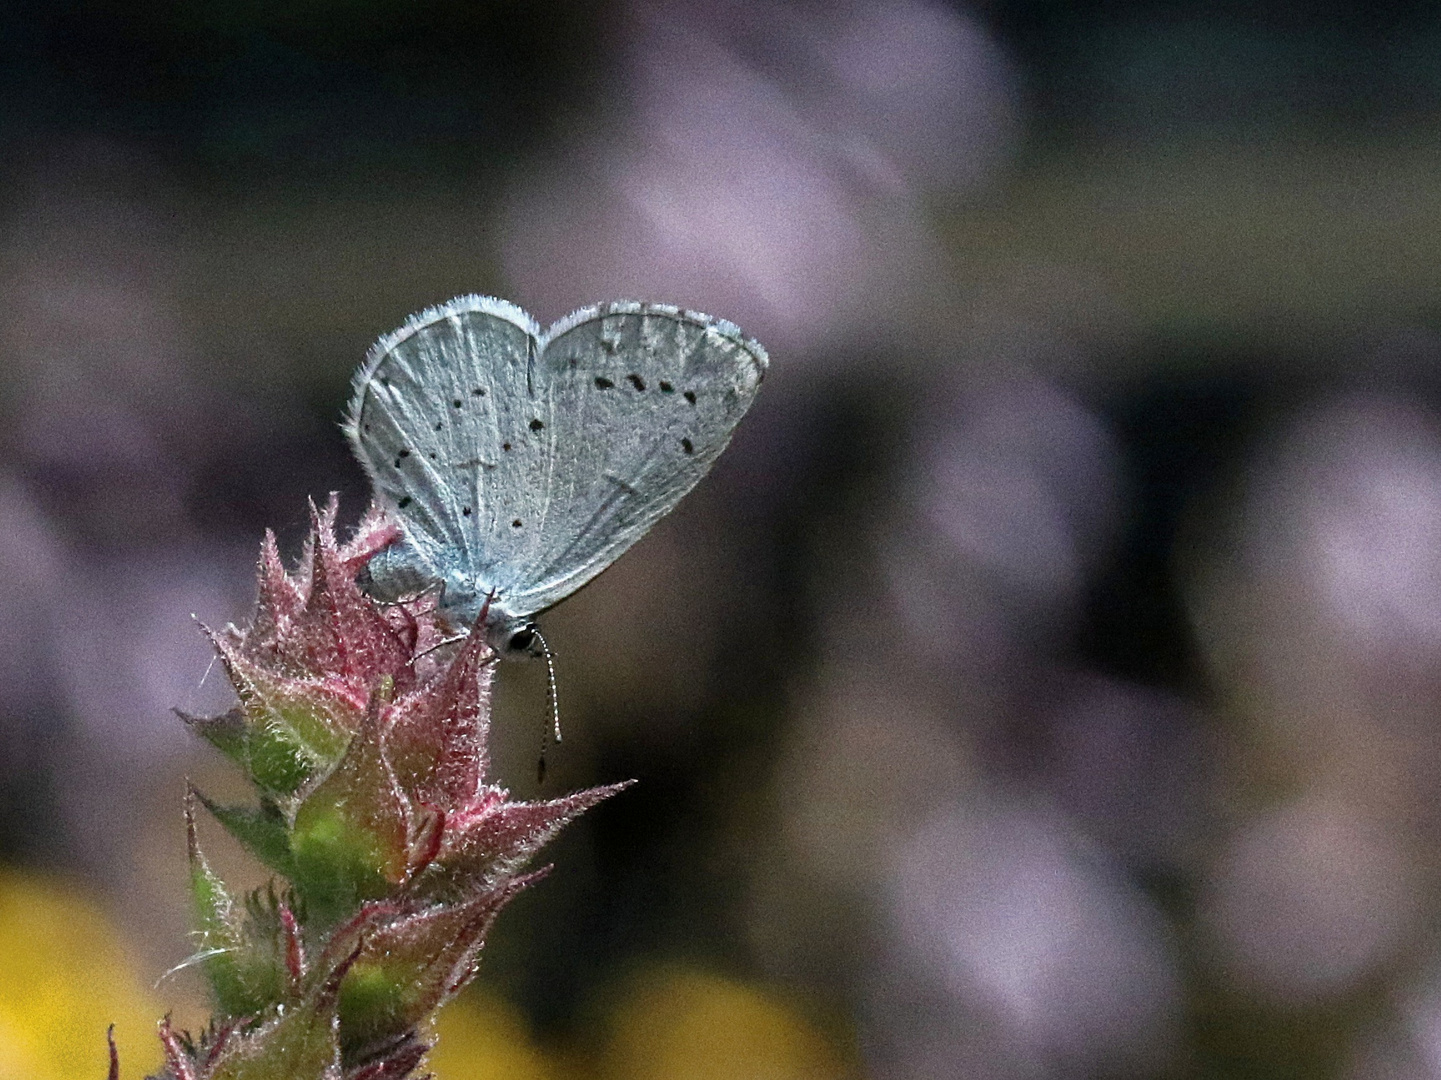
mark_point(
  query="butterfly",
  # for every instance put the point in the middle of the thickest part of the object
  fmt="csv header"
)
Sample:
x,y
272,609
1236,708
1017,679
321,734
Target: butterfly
x,y
521,462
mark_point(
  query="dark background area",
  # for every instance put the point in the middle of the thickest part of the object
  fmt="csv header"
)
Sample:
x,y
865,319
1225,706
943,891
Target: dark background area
x,y
1045,681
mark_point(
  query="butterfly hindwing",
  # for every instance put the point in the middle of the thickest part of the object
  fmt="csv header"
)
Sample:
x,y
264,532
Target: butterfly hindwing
x,y
642,399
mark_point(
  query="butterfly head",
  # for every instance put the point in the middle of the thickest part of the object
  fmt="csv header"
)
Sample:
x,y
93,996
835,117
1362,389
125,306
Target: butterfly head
x,y
513,637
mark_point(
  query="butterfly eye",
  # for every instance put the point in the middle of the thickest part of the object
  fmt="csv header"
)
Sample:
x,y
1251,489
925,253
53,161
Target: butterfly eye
x,y
522,641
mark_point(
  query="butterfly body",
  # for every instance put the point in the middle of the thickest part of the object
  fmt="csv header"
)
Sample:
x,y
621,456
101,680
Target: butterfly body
x,y
521,462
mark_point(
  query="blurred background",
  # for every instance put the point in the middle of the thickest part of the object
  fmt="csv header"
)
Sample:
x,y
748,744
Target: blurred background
x,y
1046,683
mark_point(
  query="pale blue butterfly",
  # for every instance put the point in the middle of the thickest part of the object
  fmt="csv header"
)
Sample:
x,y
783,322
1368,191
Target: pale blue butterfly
x,y
522,462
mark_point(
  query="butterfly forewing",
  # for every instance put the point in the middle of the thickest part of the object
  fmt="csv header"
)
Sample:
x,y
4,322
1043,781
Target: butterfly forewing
x,y
430,417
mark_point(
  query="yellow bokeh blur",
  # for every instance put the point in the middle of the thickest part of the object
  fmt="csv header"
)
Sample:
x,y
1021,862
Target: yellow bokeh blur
x,y
64,978
670,1023
681,1024
483,1037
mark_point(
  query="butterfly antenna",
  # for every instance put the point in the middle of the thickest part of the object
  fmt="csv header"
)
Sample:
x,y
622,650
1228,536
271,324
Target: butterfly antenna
x,y
438,645
550,682
554,704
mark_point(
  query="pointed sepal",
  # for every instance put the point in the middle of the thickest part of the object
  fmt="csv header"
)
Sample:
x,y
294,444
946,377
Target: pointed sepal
x,y
351,837
437,739
237,955
340,631
294,726
409,963
262,830
495,839
299,1043
392,1060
